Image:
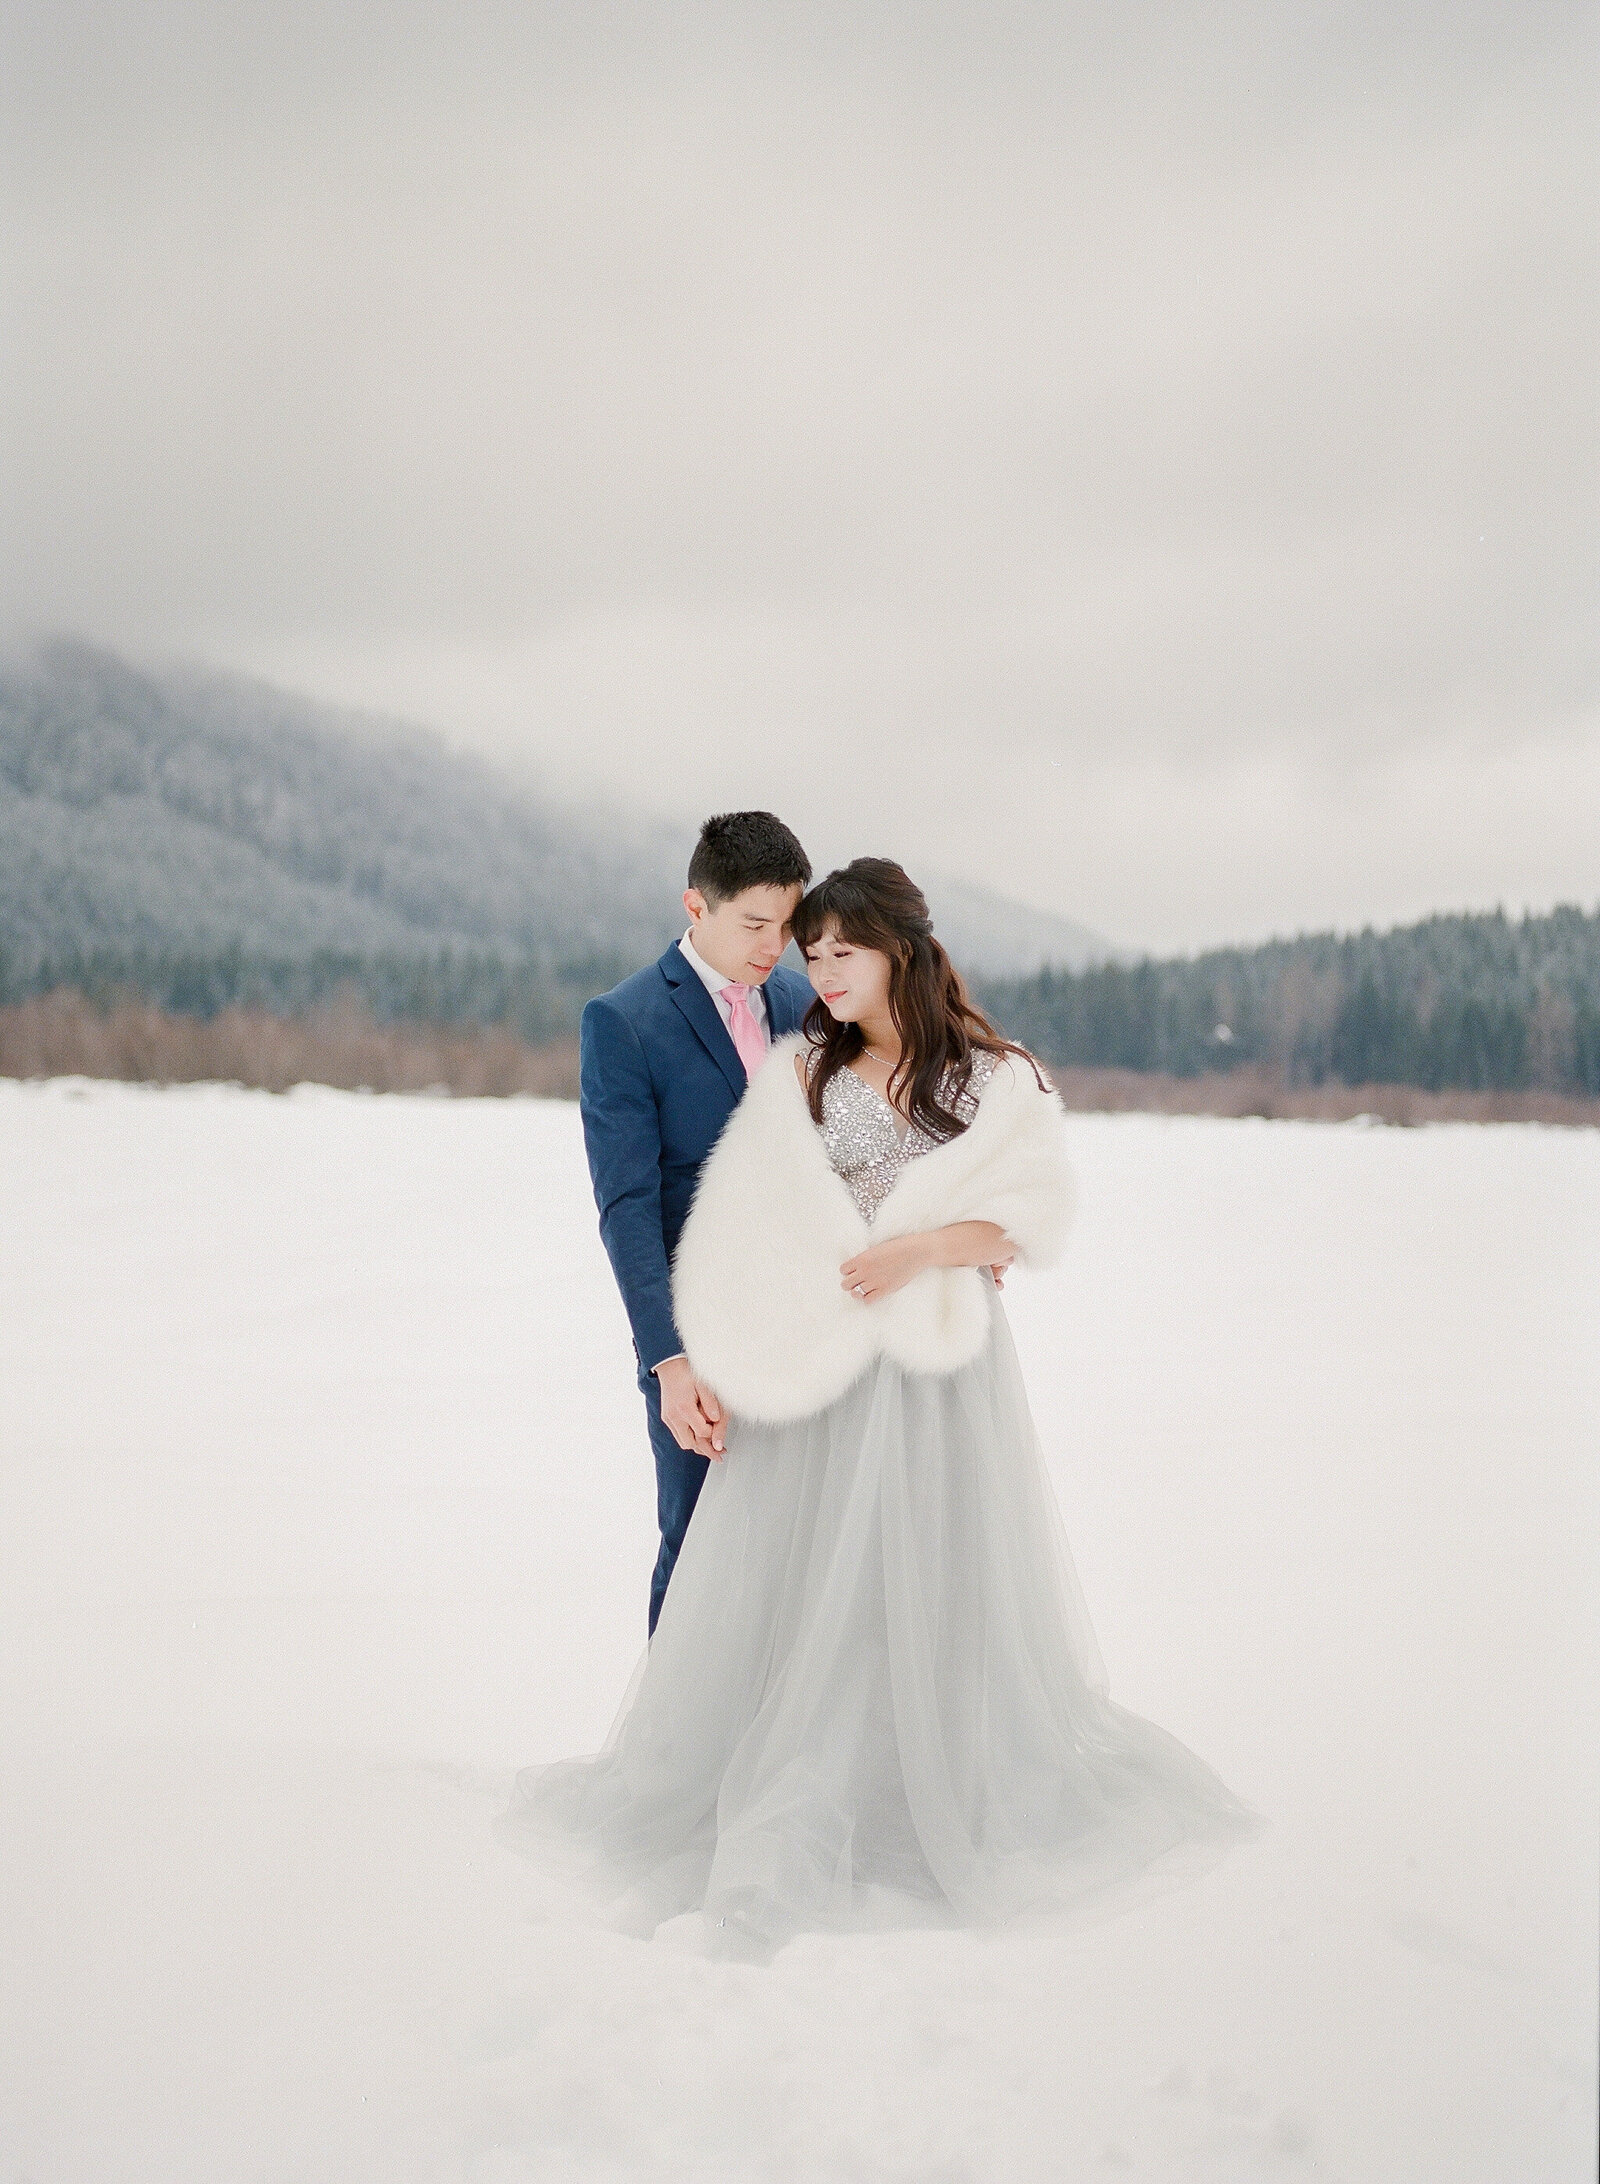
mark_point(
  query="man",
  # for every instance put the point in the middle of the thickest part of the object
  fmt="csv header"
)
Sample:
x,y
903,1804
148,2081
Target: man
x,y
663,1061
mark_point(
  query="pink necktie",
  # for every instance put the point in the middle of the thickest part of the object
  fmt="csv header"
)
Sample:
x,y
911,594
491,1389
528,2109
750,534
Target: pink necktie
x,y
752,1048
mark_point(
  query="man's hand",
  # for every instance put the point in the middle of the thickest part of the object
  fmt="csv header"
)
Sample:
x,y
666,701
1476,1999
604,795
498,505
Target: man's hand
x,y
690,1411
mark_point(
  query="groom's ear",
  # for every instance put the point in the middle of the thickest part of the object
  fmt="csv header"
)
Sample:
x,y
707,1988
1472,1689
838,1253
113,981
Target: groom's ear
x,y
696,905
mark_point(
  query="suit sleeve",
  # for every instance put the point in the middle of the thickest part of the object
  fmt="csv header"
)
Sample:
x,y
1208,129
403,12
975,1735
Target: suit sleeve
x,y
622,1135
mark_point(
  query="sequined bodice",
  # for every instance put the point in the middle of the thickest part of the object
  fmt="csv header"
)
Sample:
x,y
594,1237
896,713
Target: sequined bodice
x,y
868,1143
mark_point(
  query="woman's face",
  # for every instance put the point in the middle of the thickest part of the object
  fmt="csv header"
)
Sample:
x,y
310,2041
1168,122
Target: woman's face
x,y
853,981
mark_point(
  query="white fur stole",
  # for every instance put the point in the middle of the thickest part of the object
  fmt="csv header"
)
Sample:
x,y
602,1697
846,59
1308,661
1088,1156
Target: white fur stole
x,y
755,1280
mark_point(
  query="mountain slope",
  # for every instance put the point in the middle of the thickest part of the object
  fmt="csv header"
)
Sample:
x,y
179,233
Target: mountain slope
x,y
150,811
194,811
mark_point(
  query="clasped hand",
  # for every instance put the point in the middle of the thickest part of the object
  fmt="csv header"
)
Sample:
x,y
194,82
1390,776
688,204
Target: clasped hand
x,y
691,1411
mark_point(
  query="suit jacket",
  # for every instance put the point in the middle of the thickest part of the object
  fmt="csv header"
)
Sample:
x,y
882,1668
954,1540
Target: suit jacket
x,y
659,1076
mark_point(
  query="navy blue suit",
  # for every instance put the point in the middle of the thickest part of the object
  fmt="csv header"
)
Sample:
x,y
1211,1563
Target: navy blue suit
x,y
659,1076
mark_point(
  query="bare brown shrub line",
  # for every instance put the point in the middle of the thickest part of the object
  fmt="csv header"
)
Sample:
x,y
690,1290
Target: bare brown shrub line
x,y
1260,1092
62,1035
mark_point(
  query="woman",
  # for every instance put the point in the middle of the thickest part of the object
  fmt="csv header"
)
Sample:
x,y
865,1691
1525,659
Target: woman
x,y
874,1695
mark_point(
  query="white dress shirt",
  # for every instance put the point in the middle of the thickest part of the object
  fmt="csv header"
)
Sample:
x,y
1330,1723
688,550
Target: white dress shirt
x,y
713,981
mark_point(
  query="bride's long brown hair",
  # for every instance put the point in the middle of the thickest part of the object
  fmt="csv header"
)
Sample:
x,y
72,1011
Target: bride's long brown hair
x,y
872,903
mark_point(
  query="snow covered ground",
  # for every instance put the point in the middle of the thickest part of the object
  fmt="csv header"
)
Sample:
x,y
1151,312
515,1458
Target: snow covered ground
x,y
327,1503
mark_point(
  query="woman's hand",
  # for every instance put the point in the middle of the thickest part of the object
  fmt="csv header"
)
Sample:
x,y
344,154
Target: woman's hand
x,y
883,1268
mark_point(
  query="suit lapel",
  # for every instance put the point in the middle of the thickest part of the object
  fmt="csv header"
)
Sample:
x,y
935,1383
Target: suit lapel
x,y
789,1007
703,1017
780,1012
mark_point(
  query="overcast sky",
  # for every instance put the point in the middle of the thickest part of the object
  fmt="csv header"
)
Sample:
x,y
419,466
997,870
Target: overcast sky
x,y
1144,457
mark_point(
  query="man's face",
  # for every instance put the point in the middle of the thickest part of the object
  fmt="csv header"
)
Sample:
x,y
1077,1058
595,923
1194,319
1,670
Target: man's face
x,y
744,936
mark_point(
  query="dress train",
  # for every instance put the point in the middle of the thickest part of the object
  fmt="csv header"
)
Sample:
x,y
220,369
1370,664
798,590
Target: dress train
x,y
874,1695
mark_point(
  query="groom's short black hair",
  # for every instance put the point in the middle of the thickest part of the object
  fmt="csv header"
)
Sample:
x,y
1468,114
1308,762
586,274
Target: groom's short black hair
x,y
740,849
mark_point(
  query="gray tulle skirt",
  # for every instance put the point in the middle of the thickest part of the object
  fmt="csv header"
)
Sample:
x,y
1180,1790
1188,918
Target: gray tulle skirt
x,y
874,1695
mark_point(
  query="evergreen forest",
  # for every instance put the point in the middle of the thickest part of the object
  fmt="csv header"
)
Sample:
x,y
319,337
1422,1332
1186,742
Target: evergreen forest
x,y
1472,1002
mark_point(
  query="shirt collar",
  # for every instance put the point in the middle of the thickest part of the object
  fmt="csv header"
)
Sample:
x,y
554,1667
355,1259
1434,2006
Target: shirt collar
x,y
713,981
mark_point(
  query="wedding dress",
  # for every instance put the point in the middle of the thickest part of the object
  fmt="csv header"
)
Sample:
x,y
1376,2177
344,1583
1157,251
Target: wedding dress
x,y
874,1696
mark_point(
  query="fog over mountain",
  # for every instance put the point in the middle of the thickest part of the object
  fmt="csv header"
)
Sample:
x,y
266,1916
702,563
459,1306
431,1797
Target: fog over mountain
x,y
1141,457
174,808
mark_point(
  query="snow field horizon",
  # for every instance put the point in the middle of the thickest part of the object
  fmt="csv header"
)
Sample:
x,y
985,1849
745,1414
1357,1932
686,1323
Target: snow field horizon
x,y
329,1503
